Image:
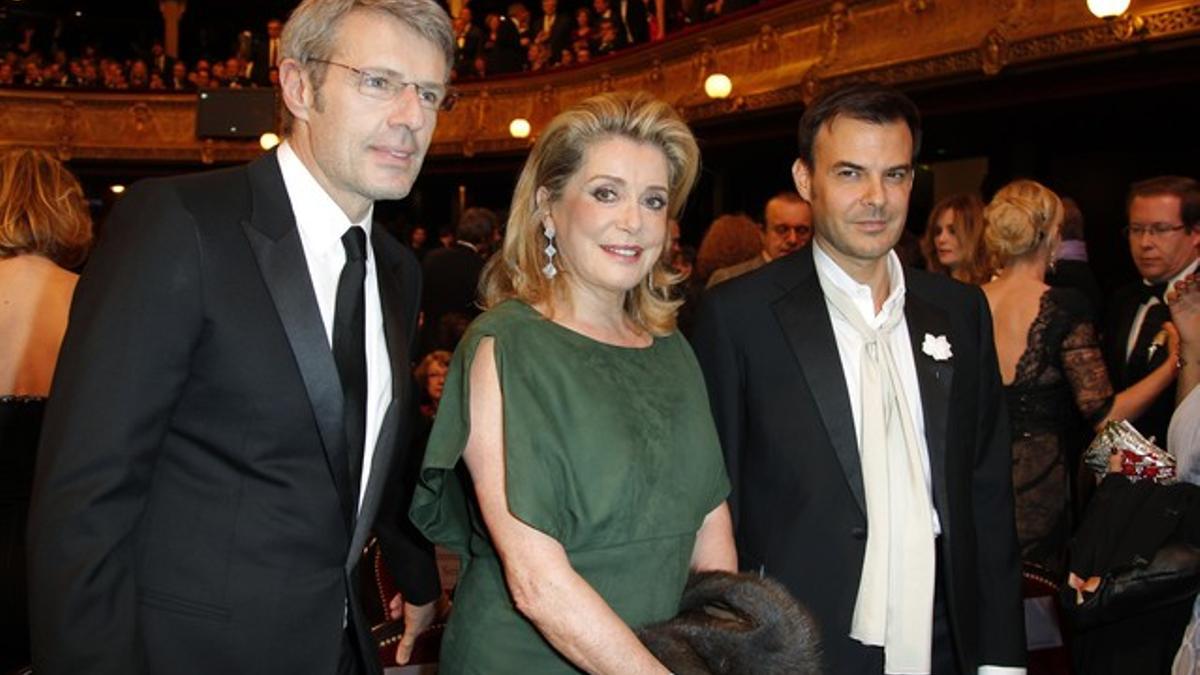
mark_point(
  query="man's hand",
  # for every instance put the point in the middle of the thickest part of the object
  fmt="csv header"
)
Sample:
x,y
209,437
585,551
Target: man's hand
x,y
416,619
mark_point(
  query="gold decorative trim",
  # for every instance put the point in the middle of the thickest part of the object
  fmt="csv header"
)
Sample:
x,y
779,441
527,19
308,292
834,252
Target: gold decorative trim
x,y
783,55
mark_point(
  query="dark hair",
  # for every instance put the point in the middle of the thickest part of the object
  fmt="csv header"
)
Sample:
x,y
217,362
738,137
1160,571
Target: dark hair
x,y
1072,224
785,196
1186,189
477,226
865,101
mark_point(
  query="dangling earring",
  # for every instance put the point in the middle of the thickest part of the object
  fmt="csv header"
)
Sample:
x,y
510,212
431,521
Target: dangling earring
x,y
550,271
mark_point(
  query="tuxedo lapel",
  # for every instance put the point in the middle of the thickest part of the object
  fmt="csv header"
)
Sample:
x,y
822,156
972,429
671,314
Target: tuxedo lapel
x,y
934,379
1127,311
391,299
271,230
804,318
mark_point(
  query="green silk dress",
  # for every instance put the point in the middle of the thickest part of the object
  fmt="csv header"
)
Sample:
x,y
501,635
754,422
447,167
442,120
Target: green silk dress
x,y
610,450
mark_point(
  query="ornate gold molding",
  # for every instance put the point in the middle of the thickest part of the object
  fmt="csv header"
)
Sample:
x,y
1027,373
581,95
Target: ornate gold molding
x,y
781,56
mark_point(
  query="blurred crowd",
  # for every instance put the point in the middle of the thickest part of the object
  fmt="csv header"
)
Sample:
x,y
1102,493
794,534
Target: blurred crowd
x,y
555,34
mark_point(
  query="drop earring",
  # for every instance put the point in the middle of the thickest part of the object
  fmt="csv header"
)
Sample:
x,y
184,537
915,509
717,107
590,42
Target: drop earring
x,y
549,271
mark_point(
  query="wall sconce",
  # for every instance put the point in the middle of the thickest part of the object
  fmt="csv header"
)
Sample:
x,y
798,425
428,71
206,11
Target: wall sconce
x,y
1123,26
268,141
718,85
1107,9
519,128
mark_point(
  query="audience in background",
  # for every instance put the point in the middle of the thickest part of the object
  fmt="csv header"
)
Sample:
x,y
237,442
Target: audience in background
x,y
1070,268
1051,364
511,42
731,239
953,241
787,226
1163,234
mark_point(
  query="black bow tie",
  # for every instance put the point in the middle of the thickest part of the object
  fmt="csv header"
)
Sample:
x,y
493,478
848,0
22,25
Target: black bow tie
x,y
1155,291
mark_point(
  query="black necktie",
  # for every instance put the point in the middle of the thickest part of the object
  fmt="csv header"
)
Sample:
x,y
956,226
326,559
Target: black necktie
x,y
349,350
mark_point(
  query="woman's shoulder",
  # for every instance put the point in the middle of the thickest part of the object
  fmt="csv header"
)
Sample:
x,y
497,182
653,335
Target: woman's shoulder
x,y
511,322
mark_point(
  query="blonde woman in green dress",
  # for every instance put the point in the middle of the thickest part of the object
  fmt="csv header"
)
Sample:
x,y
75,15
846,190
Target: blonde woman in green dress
x,y
574,464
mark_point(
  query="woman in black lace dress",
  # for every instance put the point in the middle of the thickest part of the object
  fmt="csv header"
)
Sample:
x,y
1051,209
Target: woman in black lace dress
x,y
1051,363
44,228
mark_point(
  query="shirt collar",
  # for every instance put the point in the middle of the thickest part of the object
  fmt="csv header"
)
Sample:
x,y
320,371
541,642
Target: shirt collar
x,y
319,219
861,293
1182,273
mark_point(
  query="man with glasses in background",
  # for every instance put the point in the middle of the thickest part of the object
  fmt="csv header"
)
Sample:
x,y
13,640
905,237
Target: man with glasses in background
x,y
1163,234
787,227
234,386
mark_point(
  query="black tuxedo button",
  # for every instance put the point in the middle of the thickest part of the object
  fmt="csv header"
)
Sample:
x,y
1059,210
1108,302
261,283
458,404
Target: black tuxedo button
x,y
859,533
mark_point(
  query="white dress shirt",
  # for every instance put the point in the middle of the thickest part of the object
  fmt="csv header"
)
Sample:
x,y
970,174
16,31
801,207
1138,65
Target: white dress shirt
x,y
321,223
850,344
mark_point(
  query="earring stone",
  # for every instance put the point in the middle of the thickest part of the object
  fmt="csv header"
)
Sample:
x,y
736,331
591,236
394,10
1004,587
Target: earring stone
x,y
550,271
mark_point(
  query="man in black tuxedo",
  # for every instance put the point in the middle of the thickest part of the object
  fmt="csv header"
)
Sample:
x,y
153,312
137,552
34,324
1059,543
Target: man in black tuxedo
x,y
452,277
1163,233
554,29
635,20
863,421
604,12
234,385
267,54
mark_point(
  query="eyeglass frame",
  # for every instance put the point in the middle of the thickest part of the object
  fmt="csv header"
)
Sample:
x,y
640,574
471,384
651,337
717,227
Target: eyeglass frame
x,y
1153,229
446,104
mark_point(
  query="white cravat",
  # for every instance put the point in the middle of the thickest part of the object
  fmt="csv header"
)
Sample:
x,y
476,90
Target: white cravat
x,y
894,607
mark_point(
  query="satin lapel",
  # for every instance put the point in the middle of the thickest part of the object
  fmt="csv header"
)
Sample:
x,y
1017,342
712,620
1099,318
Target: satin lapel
x,y
393,426
804,318
934,379
1129,309
271,230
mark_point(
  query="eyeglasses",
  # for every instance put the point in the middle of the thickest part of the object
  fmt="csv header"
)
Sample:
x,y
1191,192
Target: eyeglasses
x,y
383,87
1154,230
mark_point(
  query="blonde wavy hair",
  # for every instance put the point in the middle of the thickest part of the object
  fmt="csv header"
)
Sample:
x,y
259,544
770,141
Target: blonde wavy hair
x,y
42,209
516,272
1021,217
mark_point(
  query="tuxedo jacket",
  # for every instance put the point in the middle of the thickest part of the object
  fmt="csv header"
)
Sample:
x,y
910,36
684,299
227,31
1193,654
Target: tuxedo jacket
x,y
634,19
451,286
192,509
766,344
1118,323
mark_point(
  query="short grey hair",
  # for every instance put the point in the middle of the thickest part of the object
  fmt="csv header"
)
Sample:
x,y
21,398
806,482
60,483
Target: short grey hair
x,y
309,31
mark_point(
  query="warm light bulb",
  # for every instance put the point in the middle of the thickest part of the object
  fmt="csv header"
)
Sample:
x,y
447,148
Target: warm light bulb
x,y
1107,9
718,86
117,189
519,128
268,140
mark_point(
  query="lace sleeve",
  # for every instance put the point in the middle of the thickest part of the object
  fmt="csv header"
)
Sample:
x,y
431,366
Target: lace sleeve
x,y
1083,365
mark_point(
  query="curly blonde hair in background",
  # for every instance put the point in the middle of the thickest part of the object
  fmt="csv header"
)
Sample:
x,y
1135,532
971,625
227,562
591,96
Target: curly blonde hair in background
x,y
558,154
1021,217
42,209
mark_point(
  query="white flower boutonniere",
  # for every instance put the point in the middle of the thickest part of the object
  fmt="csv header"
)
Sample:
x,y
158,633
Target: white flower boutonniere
x,y
937,347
